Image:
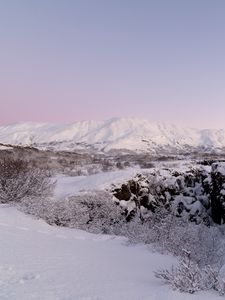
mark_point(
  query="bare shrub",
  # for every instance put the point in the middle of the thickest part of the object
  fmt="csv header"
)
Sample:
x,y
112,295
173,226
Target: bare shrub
x,y
96,211
20,179
92,211
188,277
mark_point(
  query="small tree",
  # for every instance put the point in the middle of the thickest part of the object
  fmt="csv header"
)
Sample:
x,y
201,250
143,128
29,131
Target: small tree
x,y
20,179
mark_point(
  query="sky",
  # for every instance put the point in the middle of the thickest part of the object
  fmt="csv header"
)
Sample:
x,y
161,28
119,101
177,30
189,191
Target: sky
x,y
71,60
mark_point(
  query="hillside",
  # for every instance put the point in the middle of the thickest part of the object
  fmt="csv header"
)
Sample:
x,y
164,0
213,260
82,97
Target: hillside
x,y
119,133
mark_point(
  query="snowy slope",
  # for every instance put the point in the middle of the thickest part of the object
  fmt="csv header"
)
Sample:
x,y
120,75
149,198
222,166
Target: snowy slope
x,y
118,133
42,262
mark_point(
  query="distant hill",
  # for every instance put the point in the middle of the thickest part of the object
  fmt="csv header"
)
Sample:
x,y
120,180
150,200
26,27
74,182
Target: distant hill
x,y
132,134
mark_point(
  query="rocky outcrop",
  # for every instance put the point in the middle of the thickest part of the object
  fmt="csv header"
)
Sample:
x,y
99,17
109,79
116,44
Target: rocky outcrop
x,y
136,194
217,193
122,193
197,194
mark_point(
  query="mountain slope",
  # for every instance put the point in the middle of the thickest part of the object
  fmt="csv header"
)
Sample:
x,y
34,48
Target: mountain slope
x,y
118,133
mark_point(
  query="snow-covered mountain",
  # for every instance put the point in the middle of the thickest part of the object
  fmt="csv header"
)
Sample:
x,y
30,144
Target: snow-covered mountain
x,y
118,133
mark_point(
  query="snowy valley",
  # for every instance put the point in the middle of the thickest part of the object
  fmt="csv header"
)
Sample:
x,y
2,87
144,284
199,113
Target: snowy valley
x,y
112,150
111,210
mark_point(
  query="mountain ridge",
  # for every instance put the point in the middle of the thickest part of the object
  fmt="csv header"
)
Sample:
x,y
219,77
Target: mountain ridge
x,y
133,134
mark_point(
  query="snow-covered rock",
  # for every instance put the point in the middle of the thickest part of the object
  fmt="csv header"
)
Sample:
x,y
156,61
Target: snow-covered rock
x,y
217,192
196,194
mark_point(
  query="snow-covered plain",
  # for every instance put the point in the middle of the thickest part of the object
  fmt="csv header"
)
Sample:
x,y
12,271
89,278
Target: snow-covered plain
x,y
39,261
68,185
118,133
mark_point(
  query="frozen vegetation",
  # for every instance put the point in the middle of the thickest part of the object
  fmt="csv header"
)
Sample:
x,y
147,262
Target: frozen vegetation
x,y
118,232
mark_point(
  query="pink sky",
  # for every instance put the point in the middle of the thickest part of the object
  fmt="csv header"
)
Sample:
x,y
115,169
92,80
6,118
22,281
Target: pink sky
x,y
161,60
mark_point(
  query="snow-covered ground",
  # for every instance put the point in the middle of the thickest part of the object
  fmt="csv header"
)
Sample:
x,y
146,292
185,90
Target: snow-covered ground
x,y
39,261
68,185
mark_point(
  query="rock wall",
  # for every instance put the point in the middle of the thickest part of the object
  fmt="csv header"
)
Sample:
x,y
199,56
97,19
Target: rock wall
x,y
197,194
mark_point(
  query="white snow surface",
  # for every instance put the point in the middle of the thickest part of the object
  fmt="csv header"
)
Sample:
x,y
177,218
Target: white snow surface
x,y
68,186
43,262
117,133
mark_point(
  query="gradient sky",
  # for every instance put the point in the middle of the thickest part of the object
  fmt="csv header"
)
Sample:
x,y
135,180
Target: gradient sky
x,y
69,60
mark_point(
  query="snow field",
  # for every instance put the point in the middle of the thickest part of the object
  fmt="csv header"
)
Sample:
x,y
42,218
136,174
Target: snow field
x,y
44,262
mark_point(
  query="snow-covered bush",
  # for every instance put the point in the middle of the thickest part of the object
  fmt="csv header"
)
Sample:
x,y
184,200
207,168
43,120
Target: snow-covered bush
x,y
185,277
212,280
54,213
205,244
93,211
20,179
169,234
188,277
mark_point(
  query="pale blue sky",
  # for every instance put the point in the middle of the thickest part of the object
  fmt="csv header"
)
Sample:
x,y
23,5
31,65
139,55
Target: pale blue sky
x,y
64,60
